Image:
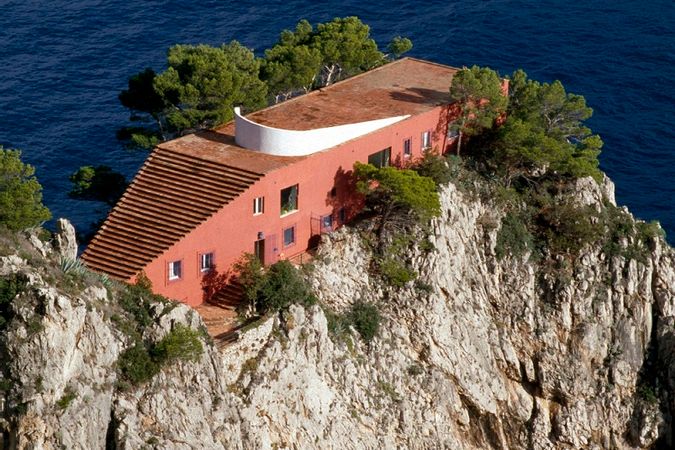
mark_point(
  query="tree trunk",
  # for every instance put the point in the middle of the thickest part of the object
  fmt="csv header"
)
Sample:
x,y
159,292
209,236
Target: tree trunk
x,y
161,128
383,223
459,142
329,75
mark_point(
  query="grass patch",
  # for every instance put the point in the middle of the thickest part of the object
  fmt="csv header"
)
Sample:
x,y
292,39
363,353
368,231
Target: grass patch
x,y
68,396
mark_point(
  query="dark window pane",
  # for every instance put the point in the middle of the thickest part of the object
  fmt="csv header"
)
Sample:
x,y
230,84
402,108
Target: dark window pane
x,y
289,236
289,199
381,158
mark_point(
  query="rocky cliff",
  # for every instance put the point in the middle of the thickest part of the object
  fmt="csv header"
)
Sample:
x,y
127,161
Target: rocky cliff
x,y
480,353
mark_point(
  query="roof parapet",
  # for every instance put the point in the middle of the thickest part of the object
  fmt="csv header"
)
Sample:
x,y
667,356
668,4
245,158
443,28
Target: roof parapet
x,y
277,141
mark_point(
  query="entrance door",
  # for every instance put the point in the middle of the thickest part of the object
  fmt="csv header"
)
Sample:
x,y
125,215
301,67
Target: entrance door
x,y
270,250
259,250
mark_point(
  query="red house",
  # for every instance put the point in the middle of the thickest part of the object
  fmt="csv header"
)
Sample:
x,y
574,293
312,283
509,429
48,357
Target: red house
x,y
269,183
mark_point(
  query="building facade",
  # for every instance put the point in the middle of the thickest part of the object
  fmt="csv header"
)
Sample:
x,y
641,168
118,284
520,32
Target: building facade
x,y
269,183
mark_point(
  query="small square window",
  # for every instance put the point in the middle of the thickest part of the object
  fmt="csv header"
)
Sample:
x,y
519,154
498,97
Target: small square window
x,y
407,147
258,205
206,262
289,236
426,140
289,199
175,270
327,223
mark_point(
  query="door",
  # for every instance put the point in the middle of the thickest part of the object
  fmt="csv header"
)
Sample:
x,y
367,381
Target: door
x,y
271,251
259,250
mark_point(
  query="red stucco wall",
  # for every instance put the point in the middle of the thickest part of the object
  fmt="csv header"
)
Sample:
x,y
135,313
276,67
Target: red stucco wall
x,y
234,229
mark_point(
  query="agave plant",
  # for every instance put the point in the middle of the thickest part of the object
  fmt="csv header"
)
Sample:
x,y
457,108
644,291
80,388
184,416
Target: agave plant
x,y
75,266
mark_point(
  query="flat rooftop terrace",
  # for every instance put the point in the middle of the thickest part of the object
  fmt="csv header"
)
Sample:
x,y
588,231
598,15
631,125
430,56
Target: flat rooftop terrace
x,y
407,86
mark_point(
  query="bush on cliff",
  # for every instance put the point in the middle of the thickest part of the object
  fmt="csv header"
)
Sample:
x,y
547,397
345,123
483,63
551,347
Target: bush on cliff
x,y
273,288
20,193
366,319
181,343
10,287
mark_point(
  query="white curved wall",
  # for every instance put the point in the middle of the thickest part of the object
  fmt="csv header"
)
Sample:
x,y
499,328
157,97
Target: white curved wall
x,y
277,141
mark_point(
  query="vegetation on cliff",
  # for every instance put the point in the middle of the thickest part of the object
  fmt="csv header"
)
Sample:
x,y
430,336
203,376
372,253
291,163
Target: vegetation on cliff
x,y
20,193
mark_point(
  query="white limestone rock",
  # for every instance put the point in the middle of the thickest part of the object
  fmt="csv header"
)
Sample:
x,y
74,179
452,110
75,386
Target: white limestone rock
x,y
492,356
65,241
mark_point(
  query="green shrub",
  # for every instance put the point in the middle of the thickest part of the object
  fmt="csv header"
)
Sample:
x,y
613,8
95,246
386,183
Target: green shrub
x,y
274,288
638,235
250,275
338,324
396,272
423,287
415,369
568,228
137,301
647,394
10,287
99,183
389,189
136,365
434,166
180,343
6,384
513,237
648,231
20,193
365,318
68,396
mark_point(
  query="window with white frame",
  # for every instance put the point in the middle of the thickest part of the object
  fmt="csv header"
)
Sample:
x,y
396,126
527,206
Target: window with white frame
x,y
289,199
426,140
289,236
175,270
206,262
407,148
258,205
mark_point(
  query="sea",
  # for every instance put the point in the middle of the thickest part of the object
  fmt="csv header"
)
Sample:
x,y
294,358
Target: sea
x,y
63,63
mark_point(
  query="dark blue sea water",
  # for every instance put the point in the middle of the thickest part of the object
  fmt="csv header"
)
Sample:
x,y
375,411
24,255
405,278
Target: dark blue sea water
x,y
64,62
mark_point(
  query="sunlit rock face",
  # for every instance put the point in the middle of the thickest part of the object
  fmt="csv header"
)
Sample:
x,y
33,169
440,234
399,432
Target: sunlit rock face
x,y
483,353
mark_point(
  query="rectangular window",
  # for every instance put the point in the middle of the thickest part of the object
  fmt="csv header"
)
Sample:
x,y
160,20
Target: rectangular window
x,y
289,236
327,223
175,270
381,158
206,262
289,199
258,205
426,140
407,148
